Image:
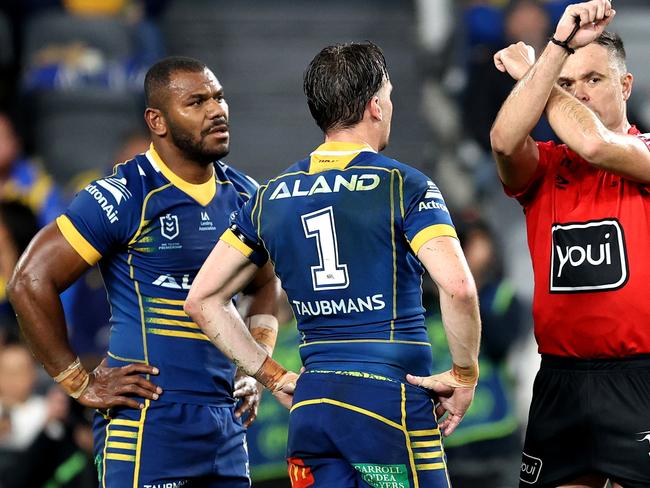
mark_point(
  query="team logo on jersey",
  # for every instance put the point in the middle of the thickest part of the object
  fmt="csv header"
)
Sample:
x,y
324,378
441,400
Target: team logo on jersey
x,y
589,256
645,436
169,227
530,469
116,187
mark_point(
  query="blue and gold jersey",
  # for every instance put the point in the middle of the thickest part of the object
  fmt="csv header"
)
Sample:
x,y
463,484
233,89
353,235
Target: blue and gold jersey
x,y
151,231
343,229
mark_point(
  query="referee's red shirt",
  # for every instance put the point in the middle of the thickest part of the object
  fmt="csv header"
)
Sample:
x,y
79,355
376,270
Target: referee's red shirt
x,y
589,240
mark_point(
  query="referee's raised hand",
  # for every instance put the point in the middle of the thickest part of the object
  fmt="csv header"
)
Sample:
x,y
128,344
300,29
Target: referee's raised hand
x,y
113,387
592,17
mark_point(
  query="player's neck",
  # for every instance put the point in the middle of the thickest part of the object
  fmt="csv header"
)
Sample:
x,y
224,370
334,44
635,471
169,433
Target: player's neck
x,y
186,169
355,135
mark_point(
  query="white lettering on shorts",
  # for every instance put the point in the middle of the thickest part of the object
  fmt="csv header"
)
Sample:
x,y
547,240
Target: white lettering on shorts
x,y
531,467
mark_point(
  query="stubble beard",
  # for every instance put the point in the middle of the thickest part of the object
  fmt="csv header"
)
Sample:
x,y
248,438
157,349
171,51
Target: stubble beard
x,y
193,149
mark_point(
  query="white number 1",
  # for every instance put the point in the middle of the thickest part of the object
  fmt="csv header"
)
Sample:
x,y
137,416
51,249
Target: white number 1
x,y
329,274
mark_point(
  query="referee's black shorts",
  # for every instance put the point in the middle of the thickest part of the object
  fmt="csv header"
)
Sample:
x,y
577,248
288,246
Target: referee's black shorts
x,y
589,416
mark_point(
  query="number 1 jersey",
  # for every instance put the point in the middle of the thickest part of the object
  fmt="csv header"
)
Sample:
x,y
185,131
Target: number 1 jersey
x,y
343,228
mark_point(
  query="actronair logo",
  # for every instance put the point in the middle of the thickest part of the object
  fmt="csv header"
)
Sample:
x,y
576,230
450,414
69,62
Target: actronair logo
x,y
108,208
117,188
588,256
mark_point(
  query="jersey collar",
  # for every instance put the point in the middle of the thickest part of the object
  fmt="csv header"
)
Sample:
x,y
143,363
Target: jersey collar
x,y
335,155
203,193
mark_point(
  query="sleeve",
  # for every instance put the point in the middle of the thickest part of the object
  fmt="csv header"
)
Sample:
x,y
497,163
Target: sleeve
x,y
101,217
425,214
242,234
549,154
244,184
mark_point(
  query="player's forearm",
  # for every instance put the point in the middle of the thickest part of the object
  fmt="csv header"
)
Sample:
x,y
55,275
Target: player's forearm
x,y
223,325
460,315
526,103
262,313
40,315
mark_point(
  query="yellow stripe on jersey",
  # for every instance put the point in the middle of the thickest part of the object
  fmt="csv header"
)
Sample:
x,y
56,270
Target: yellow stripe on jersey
x,y
431,232
335,155
167,311
178,323
128,446
202,193
127,434
178,333
230,238
77,241
427,455
423,433
113,456
420,444
425,467
126,423
164,301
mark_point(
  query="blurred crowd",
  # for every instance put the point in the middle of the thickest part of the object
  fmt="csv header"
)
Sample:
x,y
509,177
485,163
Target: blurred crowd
x,y
71,63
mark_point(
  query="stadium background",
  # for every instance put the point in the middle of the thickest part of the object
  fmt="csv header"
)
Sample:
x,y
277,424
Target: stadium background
x,y
71,105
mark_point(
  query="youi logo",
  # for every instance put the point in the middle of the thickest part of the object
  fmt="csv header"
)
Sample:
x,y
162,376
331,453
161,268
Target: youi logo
x,y
531,467
588,256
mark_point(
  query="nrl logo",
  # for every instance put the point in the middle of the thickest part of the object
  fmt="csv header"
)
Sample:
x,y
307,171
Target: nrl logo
x,y
169,226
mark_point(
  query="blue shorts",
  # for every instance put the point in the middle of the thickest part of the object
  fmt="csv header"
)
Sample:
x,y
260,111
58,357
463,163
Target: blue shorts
x,y
171,445
362,431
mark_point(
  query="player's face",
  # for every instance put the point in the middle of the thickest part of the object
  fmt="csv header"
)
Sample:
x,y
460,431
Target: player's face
x,y
197,116
387,112
593,76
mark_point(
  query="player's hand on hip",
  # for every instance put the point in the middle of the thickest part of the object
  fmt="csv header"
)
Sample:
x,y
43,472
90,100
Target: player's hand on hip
x,y
285,388
593,17
516,59
248,391
112,387
453,400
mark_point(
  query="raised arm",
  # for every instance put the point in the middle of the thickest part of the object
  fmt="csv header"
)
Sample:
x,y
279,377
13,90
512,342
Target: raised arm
x,y
444,260
515,151
48,267
581,130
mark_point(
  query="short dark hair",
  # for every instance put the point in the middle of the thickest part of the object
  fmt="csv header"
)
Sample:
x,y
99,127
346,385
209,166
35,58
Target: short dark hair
x,y
157,78
341,80
614,44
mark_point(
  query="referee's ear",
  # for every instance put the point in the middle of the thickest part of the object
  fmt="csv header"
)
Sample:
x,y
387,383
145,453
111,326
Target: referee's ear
x,y
155,121
627,81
